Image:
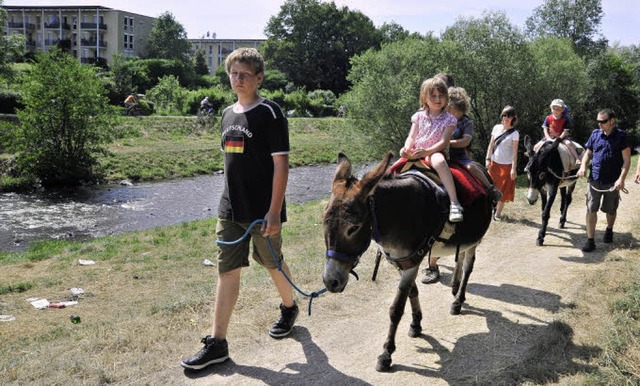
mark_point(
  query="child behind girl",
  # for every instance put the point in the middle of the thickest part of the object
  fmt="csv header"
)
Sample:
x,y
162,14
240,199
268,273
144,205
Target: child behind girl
x,y
431,128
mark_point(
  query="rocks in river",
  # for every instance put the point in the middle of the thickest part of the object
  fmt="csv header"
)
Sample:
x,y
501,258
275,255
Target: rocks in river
x,y
126,183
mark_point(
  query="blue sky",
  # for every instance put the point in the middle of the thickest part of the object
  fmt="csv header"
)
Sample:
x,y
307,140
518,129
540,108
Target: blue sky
x,y
246,19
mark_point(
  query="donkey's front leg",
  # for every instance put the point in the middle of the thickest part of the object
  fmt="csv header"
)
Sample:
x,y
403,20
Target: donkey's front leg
x,y
407,280
415,329
546,213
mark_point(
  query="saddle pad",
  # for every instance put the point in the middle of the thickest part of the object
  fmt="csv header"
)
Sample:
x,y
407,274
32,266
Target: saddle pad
x,y
468,188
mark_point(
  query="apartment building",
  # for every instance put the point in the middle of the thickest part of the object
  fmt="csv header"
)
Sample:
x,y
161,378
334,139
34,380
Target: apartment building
x,y
93,34
216,50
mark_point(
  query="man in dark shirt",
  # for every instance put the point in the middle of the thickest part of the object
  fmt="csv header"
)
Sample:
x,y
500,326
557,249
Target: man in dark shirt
x,y
611,160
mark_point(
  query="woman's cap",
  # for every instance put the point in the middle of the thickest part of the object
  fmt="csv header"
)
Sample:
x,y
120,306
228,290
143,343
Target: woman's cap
x,y
557,102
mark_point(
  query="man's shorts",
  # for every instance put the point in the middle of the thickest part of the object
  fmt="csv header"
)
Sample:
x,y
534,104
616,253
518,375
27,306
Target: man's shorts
x,y
609,200
235,256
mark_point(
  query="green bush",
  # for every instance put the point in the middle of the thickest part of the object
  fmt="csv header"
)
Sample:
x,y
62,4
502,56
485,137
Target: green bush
x,y
276,96
217,97
297,104
65,123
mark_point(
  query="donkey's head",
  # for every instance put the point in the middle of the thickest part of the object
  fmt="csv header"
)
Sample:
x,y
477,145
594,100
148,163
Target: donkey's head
x,y
538,166
347,221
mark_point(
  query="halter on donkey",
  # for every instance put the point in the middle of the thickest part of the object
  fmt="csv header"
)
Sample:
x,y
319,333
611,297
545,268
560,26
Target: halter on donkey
x,y
406,215
548,169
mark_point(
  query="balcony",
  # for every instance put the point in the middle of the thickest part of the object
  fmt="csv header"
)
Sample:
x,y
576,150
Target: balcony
x,y
100,26
57,25
62,43
21,25
93,43
97,61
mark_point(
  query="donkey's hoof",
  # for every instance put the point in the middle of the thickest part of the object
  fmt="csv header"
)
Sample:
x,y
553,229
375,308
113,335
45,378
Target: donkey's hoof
x,y
455,309
415,332
384,363
561,225
539,242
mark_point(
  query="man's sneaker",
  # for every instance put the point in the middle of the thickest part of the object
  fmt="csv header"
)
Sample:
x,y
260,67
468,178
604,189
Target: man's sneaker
x,y
608,235
589,245
283,326
214,351
494,194
455,213
431,275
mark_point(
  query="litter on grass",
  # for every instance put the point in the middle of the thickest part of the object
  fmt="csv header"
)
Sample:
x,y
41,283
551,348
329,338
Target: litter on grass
x,y
208,262
38,303
86,262
76,291
7,318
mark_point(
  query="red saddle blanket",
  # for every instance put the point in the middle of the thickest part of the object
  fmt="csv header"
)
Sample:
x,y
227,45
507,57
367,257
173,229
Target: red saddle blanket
x,y
468,188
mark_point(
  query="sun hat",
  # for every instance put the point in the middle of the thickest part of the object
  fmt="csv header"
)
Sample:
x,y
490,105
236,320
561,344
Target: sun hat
x,y
557,102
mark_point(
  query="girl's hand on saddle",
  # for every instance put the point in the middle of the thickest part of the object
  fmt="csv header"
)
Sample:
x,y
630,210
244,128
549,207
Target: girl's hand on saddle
x,y
419,154
406,153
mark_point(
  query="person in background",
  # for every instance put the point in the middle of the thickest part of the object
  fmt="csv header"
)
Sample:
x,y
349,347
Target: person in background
x,y
205,105
428,138
637,177
558,124
130,101
502,157
610,156
255,142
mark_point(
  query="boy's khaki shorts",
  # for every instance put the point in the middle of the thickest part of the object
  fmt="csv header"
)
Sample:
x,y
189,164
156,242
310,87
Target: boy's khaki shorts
x,y
235,256
610,200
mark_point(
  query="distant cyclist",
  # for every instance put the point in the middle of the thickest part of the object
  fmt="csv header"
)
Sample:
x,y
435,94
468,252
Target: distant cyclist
x,y
130,101
206,107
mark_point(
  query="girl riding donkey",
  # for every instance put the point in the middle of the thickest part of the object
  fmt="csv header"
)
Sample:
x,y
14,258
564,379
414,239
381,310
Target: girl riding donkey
x,y
431,128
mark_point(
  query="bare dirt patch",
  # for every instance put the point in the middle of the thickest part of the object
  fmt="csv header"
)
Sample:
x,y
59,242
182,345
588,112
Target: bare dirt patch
x,y
511,329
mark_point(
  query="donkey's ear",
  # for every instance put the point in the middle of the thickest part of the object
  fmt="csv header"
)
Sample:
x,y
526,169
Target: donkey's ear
x,y
343,170
371,179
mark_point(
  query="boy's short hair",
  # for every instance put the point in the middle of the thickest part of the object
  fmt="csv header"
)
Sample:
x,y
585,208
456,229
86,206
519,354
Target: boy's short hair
x,y
428,86
459,99
245,55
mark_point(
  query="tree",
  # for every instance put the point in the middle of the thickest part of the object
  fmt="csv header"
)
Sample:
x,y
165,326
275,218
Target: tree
x,y
312,42
168,96
5,69
65,123
489,57
577,20
200,64
168,39
613,85
386,87
393,32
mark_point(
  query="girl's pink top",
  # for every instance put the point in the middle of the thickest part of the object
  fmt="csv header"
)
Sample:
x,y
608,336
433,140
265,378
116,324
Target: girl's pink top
x,y
430,129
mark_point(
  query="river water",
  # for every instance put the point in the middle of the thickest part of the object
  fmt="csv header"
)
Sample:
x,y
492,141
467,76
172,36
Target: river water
x,y
89,212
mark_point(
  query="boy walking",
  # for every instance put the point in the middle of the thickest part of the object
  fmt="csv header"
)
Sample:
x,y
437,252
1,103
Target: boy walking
x,y
255,142
611,160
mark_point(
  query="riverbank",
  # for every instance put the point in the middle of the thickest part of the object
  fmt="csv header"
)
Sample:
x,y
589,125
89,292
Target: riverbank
x,y
157,148
163,147
542,315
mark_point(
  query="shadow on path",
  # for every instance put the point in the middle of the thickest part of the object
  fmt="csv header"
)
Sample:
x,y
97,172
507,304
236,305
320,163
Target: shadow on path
x,y
315,371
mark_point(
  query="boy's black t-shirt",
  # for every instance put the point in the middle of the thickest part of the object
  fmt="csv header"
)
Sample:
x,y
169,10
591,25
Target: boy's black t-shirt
x,y
249,141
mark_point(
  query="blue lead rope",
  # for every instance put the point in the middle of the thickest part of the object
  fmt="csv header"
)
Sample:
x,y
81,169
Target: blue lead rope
x,y
311,296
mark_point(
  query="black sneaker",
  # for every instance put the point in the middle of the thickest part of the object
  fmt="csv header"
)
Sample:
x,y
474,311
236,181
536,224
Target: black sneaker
x,y
431,275
608,235
589,245
214,351
283,326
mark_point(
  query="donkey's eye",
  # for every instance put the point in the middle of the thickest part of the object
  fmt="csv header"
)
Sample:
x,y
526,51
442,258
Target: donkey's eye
x,y
352,229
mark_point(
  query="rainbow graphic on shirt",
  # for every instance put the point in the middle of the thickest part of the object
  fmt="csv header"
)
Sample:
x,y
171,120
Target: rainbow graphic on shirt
x,y
234,144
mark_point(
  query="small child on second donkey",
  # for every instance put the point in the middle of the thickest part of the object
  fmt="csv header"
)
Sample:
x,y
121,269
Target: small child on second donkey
x,y
559,124
431,129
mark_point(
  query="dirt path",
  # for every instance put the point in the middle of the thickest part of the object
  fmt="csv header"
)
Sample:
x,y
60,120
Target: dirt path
x,y
515,293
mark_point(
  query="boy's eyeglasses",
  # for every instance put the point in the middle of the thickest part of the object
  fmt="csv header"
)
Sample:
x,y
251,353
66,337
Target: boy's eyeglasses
x,y
602,121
